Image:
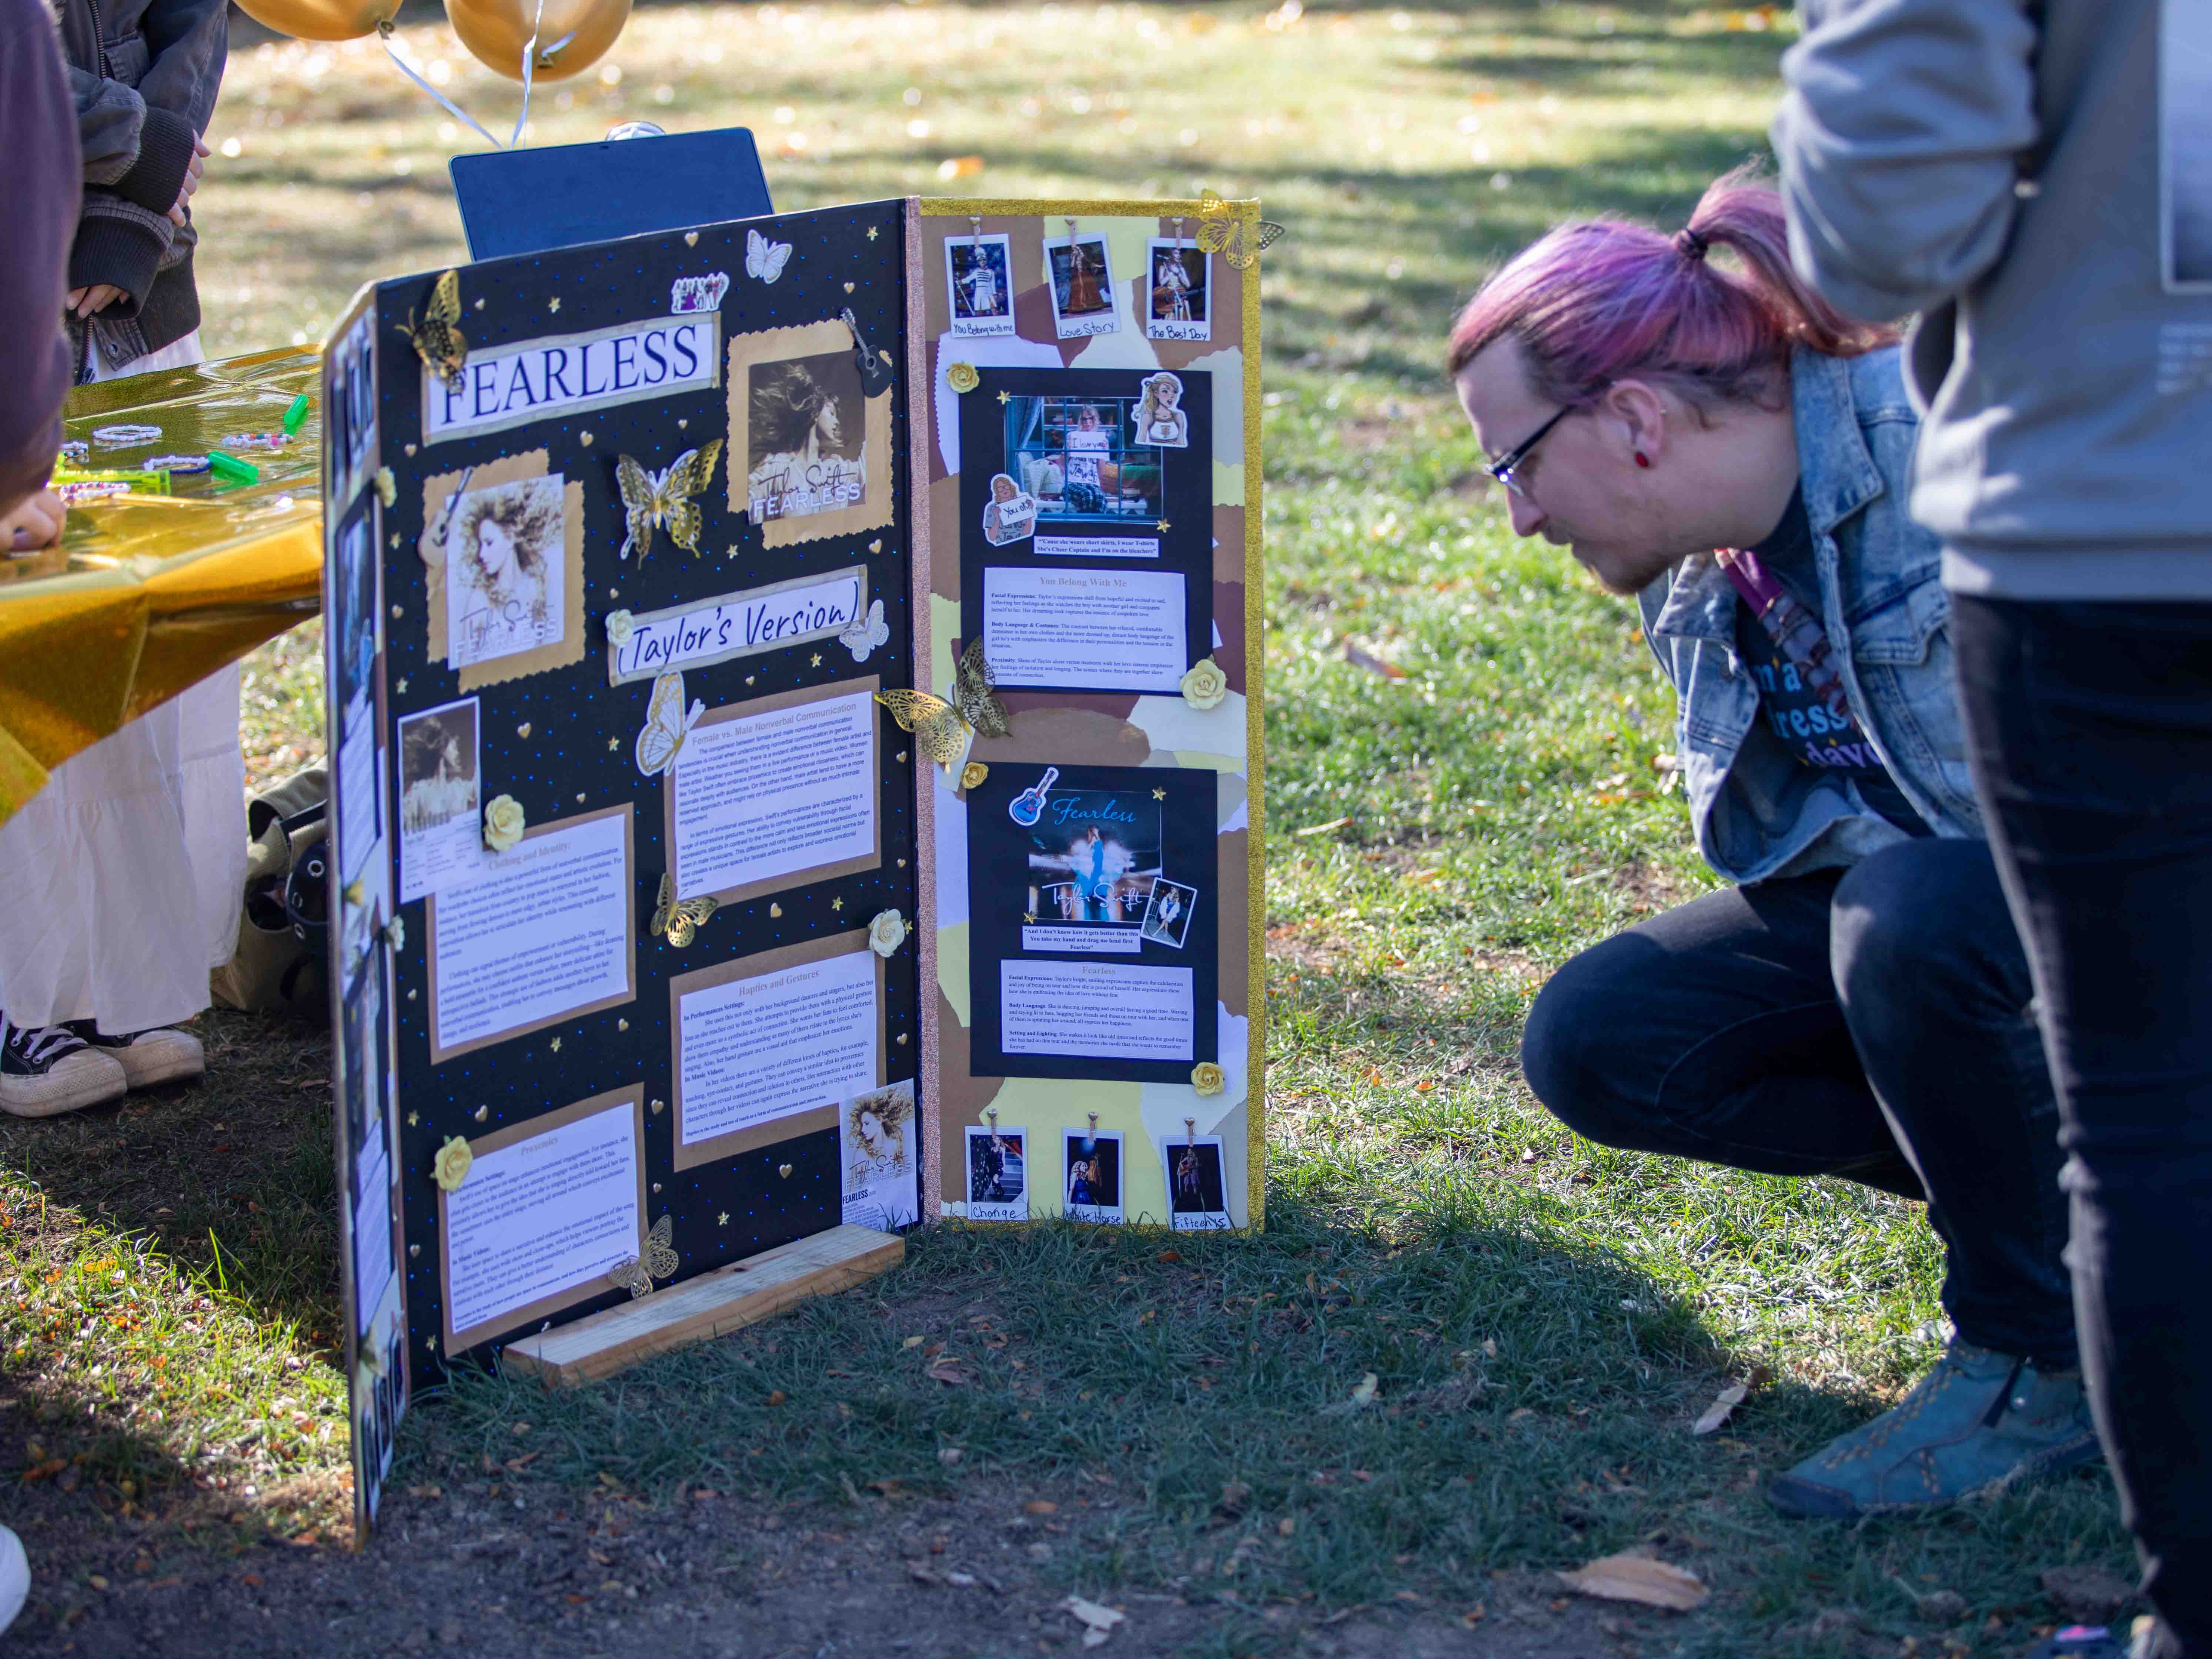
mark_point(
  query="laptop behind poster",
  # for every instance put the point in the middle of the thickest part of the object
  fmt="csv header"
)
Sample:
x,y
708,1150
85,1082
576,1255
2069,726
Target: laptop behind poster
x,y
526,201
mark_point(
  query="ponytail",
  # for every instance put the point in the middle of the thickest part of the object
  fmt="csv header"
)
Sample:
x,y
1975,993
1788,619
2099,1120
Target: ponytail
x,y
1602,301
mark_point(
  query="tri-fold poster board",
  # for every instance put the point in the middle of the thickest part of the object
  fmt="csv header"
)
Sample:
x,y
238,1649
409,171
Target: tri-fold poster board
x,y
793,689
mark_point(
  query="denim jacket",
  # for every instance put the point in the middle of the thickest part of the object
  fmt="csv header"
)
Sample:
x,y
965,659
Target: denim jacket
x,y
1758,812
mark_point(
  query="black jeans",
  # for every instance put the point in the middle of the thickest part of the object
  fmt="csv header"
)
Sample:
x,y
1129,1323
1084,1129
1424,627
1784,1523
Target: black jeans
x,y
2091,728
1871,1023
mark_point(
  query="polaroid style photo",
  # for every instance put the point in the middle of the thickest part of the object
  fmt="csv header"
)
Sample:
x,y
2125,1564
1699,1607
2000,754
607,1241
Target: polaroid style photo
x,y
1093,857
807,437
1092,1189
998,1174
875,1137
979,276
1198,1191
440,833
356,623
1080,277
1177,303
1011,513
1168,913
1158,418
507,549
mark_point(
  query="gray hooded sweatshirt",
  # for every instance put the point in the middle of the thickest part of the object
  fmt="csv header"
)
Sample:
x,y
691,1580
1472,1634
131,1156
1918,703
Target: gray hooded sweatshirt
x,y
2034,178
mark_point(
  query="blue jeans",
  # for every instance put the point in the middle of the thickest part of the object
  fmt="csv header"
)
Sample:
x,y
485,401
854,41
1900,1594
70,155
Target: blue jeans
x,y
2090,728
1871,1023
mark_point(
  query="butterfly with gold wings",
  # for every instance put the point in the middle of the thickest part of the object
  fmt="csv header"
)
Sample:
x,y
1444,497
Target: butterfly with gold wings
x,y
940,727
437,339
679,923
1222,230
661,1260
651,500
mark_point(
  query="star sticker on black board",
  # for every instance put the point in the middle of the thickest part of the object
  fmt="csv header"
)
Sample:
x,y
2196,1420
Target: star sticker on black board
x,y
401,687
1030,918
836,904
815,661
1159,794
1161,526
414,1118
1006,397
723,1220
871,232
556,1045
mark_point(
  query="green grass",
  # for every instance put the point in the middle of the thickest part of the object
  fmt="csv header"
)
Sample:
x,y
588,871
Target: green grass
x,y
1544,1318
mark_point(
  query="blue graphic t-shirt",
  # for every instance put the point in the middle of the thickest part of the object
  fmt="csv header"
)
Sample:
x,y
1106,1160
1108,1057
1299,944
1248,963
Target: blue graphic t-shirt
x,y
1814,732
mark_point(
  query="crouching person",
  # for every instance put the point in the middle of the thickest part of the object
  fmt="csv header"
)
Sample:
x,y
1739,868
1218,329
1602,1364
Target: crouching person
x,y
1724,446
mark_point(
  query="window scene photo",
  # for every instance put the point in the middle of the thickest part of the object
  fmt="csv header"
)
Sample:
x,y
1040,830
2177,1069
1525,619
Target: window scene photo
x,y
807,437
979,270
1076,457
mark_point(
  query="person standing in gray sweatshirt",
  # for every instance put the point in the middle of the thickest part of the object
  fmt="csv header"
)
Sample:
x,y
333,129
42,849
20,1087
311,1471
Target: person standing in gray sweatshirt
x,y
2033,178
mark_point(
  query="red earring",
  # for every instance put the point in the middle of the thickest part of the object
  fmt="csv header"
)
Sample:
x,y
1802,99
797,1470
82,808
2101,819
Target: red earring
x,y
1643,459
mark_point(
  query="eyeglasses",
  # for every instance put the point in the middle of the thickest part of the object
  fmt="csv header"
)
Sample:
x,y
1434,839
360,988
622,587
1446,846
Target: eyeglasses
x,y
1503,469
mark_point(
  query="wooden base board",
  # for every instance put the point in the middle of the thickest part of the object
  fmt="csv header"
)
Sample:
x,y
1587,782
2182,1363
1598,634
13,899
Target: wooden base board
x,y
740,1294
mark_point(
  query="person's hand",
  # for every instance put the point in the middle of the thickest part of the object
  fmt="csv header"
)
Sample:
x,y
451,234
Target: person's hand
x,y
200,154
85,301
37,523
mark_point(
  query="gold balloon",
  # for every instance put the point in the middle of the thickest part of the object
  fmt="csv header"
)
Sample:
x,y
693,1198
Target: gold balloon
x,y
495,31
321,20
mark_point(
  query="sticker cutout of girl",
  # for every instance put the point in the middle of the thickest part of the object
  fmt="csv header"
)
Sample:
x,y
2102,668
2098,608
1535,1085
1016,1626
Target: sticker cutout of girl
x,y
1159,419
1011,513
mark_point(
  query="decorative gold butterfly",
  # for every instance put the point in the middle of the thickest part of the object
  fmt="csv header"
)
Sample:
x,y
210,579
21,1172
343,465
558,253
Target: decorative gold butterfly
x,y
437,339
941,727
651,500
1222,230
679,924
661,1260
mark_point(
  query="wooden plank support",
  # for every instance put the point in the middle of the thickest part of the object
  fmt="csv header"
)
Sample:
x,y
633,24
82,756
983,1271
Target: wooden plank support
x,y
742,1293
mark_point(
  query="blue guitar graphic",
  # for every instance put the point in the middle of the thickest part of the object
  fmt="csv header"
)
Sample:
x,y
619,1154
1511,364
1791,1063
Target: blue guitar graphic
x,y
1028,807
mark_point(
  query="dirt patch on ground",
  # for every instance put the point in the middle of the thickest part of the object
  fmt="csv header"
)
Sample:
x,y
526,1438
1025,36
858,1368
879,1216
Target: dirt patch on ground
x,y
1648,887
721,1578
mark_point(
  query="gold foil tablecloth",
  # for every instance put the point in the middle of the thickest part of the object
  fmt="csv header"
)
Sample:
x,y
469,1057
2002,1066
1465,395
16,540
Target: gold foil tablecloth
x,y
148,594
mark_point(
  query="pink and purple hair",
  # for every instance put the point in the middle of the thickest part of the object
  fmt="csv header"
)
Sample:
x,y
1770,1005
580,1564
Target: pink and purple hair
x,y
1603,301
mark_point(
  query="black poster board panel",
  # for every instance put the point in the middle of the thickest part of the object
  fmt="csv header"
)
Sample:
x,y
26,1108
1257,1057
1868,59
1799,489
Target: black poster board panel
x,y
563,741
1063,866
1016,425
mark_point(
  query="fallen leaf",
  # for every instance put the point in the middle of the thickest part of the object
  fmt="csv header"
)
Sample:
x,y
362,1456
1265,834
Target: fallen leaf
x,y
1168,1255
1235,1498
2086,1593
922,1574
1322,828
1361,1398
914,1342
1723,1407
1287,1525
1099,1621
1373,663
1637,1578
776,1396
1040,1506
961,1580
951,1370
949,1456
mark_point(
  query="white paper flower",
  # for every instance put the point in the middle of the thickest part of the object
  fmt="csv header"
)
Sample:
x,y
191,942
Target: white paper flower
x,y
1205,685
620,626
452,1166
886,933
503,823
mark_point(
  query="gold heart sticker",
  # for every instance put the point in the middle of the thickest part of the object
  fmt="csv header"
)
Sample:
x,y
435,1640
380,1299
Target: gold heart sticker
x,y
690,239
784,1169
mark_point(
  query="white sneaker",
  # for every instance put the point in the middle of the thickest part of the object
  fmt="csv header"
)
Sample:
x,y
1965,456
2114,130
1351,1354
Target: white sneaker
x,y
15,1577
160,1056
49,1069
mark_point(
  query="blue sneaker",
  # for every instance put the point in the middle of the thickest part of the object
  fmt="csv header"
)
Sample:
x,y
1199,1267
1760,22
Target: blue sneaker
x,y
1979,1422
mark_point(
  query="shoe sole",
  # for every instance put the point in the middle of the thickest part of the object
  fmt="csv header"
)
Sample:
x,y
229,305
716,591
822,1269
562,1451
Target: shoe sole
x,y
166,1071
2058,1461
74,1095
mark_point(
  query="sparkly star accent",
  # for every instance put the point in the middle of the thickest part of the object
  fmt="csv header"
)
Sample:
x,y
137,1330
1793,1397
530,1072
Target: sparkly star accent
x,y
733,550
723,1220
871,232
556,1045
1030,918
613,744
401,687
553,304
431,1343
836,904
414,1118
1159,794
1006,397
815,661
1161,526
395,541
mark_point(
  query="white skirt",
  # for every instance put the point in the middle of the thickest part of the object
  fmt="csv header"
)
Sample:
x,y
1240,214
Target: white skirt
x,y
121,881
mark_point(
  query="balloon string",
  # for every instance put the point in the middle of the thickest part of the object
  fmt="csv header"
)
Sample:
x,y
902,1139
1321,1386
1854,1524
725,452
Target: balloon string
x,y
384,30
529,56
